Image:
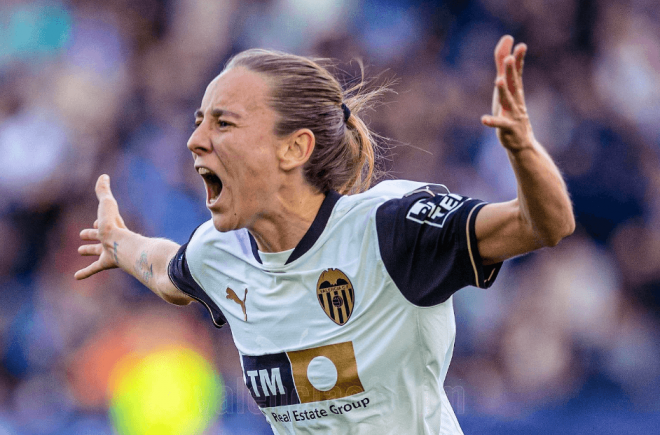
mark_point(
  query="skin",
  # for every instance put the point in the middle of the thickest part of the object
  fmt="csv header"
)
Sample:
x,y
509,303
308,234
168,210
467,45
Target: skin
x,y
264,189
263,184
542,214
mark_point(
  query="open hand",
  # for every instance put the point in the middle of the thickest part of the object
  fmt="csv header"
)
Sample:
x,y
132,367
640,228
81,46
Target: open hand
x,y
108,219
509,109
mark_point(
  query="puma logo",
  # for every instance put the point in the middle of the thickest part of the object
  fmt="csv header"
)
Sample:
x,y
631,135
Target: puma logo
x,y
232,295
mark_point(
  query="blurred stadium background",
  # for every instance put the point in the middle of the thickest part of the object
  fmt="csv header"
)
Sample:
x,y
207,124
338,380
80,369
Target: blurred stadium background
x,y
565,343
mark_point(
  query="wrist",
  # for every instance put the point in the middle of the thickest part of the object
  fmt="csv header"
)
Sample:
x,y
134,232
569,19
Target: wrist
x,y
115,236
529,145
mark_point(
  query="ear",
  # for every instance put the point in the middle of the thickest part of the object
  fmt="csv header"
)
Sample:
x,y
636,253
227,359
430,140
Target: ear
x,y
297,149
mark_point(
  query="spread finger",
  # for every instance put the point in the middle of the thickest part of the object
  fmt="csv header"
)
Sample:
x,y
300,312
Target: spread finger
x,y
89,234
90,249
88,271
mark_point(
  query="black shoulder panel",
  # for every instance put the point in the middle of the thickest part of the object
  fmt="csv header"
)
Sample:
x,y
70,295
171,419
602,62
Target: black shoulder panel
x,y
428,244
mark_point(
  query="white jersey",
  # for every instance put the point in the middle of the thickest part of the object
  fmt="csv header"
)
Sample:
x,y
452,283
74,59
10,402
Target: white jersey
x,y
351,332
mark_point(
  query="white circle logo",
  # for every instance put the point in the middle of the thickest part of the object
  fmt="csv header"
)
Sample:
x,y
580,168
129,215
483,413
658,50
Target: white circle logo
x,y
322,373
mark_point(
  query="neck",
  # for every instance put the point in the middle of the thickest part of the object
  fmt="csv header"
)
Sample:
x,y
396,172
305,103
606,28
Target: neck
x,y
292,213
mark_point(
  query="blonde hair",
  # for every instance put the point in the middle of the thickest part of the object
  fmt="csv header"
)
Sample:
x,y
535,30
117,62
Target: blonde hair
x,y
306,95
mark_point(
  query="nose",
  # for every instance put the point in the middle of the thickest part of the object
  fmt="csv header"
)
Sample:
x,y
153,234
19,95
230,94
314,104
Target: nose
x,y
199,142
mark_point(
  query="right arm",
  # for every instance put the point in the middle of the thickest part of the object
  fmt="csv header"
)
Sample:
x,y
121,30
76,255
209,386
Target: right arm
x,y
147,259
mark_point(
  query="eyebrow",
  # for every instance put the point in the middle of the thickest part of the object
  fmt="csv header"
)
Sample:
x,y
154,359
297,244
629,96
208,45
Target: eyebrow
x,y
216,113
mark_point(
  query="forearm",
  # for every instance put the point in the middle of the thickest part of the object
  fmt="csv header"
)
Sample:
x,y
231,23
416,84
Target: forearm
x,y
146,259
542,214
542,195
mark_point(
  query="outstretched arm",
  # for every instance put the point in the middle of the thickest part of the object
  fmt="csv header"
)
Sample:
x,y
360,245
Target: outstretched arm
x,y
542,214
145,258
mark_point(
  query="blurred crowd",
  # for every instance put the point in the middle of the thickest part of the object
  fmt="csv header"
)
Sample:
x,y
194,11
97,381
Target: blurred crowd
x,y
565,341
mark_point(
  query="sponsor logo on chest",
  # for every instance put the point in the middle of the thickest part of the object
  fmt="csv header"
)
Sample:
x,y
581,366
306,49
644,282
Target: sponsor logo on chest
x,y
302,376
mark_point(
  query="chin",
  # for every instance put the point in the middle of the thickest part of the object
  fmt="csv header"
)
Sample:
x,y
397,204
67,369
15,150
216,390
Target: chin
x,y
222,224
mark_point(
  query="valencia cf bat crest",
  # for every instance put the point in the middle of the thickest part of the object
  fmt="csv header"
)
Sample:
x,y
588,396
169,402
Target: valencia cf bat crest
x,y
336,296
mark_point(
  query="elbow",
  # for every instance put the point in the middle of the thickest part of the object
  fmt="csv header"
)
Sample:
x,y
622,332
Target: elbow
x,y
175,296
179,300
170,294
552,237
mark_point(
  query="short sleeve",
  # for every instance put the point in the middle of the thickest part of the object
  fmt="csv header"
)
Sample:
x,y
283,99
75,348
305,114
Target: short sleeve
x,y
180,275
428,244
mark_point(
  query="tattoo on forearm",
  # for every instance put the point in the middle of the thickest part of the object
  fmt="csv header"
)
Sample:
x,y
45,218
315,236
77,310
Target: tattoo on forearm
x,y
143,268
115,252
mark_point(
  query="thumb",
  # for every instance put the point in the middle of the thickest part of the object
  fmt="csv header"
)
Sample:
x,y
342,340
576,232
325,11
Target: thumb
x,y
108,211
103,187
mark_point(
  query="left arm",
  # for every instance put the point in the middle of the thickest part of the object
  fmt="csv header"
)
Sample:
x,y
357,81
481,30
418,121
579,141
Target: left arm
x,y
542,214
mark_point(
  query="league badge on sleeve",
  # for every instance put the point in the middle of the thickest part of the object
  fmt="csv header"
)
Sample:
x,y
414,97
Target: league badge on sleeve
x,y
434,210
336,296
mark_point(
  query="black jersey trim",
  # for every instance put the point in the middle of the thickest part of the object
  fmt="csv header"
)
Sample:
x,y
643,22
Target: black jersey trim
x,y
312,234
180,276
255,248
317,227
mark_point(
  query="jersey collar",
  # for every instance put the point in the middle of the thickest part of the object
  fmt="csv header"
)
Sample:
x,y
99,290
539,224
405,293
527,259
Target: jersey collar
x,y
312,234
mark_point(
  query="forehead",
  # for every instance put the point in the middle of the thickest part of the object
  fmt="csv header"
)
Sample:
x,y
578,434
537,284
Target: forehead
x,y
239,90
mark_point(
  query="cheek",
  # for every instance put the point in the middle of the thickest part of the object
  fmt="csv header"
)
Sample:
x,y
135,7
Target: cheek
x,y
258,166
261,162
250,160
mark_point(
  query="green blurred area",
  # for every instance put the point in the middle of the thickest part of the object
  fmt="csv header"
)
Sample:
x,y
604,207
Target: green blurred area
x,y
173,391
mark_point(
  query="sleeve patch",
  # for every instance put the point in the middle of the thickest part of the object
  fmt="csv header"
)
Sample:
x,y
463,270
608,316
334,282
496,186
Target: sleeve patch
x,y
435,210
428,244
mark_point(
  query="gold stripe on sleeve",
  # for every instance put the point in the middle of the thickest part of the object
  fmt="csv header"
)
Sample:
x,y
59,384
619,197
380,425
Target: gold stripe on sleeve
x,y
469,242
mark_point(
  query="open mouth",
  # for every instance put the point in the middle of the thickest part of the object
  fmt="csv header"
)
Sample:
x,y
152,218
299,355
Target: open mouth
x,y
213,184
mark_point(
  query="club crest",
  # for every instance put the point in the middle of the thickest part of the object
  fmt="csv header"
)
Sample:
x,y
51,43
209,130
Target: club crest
x,y
336,296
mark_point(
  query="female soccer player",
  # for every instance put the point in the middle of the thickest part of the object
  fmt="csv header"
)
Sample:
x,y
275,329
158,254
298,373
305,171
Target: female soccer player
x,y
339,298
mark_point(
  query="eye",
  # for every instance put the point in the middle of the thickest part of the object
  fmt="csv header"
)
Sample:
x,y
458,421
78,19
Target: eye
x,y
196,124
223,124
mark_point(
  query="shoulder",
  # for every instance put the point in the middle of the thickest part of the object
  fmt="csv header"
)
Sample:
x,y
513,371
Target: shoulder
x,y
429,204
388,189
427,242
375,197
385,200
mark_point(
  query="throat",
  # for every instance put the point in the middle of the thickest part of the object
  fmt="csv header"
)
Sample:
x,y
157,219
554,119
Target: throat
x,y
269,239
286,229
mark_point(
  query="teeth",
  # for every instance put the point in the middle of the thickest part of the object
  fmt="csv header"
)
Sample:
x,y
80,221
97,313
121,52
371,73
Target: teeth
x,y
203,171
